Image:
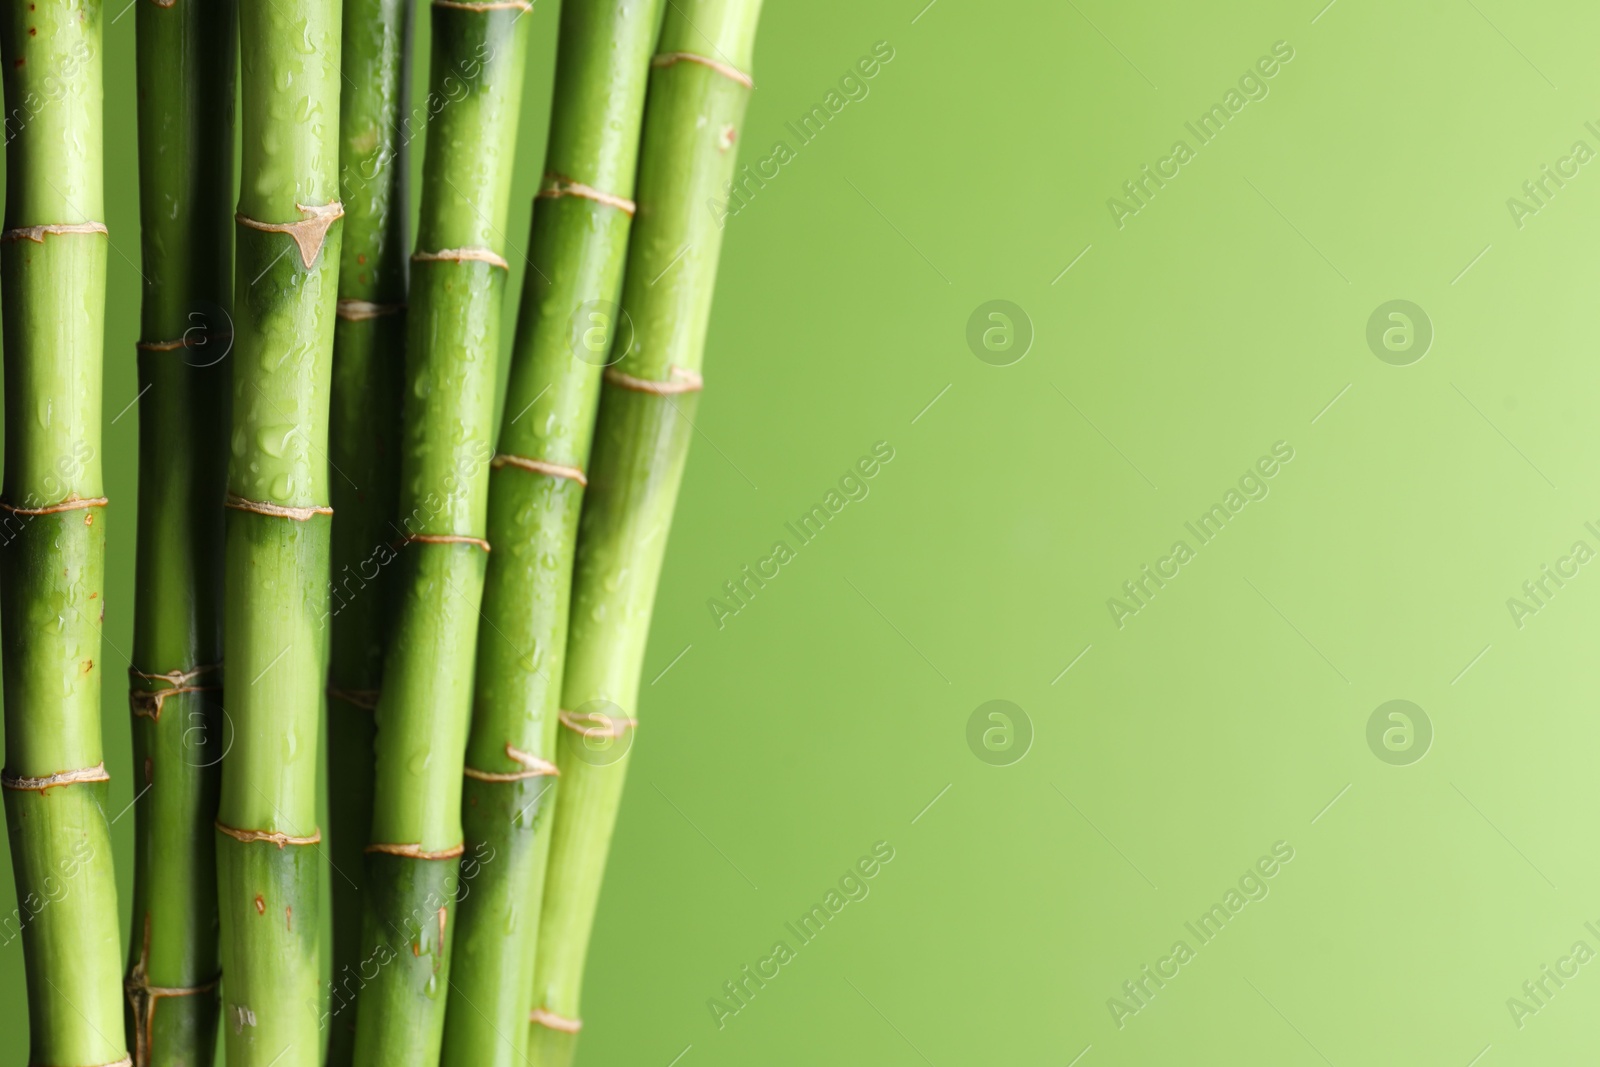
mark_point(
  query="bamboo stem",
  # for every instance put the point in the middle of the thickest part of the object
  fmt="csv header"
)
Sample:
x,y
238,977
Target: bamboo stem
x,y
186,88
278,522
52,548
567,317
698,91
368,377
452,354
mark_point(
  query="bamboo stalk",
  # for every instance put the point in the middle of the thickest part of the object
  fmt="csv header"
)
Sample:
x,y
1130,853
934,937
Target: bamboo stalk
x,y
698,91
579,240
186,88
52,551
276,583
368,377
451,362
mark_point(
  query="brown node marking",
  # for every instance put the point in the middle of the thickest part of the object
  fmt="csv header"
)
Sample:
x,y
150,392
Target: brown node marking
x,y
308,233
415,851
126,1061
461,255
143,997
557,186
360,310
277,511
276,837
679,380
446,539
65,505
37,233
540,466
610,725
549,1019
536,768
147,703
667,59
498,5
97,773
366,699
200,339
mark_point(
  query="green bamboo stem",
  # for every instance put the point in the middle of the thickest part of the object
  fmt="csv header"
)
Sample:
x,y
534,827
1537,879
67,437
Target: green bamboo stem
x,y
276,583
698,91
579,242
52,549
364,446
451,362
186,85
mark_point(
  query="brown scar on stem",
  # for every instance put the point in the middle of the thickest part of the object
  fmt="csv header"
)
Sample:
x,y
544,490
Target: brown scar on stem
x,y
143,998
535,768
53,509
261,905
288,917
679,380
415,852
97,773
550,1020
277,511
446,539
556,185
276,837
361,310
540,466
667,59
308,233
462,255
37,234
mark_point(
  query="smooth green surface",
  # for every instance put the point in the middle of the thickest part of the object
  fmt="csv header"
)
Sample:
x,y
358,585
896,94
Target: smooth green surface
x,y
806,729
186,85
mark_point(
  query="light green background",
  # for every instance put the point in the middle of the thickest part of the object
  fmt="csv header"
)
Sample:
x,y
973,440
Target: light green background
x,y
1228,714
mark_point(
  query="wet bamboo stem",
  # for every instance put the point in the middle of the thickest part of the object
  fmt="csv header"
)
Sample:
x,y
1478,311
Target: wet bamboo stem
x,y
52,548
698,91
452,353
186,58
364,445
565,326
276,568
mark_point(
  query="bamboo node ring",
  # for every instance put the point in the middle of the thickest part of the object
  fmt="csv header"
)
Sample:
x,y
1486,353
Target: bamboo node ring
x,y
415,852
597,724
192,339
446,539
462,255
540,466
496,5
667,59
276,511
276,837
557,186
679,380
97,773
536,768
549,1019
37,234
65,505
308,233
361,310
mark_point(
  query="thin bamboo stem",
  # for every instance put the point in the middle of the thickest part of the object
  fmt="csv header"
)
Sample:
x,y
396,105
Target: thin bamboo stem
x,y
566,322
452,356
278,520
699,88
186,59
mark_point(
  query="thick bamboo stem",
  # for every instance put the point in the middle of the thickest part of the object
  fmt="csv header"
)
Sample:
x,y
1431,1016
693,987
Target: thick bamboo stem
x,y
458,281
278,520
566,323
698,91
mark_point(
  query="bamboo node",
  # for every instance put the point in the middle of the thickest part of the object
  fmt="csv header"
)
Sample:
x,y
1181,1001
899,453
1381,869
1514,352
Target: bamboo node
x,y
415,851
557,186
540,466
308,233
191,339
667,59
549,1019
536,768
65,505
446,539
276,837
360,310
37,234
495,5
146,703
175,678
461,255
277,511
97,773
679,380
584,722
366,699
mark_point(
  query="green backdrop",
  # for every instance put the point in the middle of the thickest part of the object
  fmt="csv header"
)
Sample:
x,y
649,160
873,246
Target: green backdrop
x,y
1209,356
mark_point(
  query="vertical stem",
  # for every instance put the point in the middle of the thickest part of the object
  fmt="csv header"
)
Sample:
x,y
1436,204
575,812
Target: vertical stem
x,y
565,326
186,56
451,361
278,522
368,366
52,550
698,92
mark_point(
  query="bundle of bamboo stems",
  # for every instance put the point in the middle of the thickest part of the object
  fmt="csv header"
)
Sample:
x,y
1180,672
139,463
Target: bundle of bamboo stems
x,y
442,631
